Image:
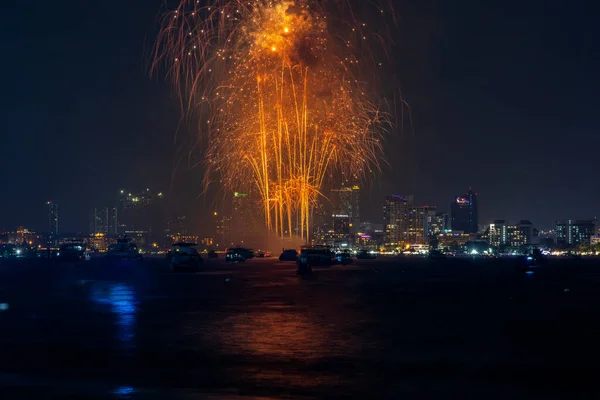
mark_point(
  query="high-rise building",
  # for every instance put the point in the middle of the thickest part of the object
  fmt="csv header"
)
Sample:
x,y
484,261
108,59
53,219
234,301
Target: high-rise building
x,y
113,221
395,218
421,222
321,222
222,226
178,226
438,223
246,221
141,212
573,233
415,231
53,222
99,220
464,213
104,220
498,233
347,206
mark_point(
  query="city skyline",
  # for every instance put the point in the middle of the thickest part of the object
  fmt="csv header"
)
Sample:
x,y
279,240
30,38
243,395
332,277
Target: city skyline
x,y
143,217
96,222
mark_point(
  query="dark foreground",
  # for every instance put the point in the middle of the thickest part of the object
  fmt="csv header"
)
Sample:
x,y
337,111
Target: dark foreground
x,y
386,328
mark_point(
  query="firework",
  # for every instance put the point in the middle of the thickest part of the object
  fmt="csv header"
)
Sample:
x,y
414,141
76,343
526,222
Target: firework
x,y
280,87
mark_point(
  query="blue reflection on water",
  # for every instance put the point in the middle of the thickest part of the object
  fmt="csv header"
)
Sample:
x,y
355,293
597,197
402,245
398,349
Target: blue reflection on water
x,y
123,303
124,392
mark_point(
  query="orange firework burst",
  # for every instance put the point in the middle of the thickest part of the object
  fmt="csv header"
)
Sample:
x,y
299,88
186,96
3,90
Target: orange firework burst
x,y
283,90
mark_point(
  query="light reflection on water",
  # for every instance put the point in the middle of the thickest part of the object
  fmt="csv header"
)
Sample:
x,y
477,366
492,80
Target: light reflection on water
x,y
124,392
283,342
123,303
283,335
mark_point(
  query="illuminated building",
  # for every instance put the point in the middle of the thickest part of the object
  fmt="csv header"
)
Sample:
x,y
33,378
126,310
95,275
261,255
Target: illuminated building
x,y
464,213
245,219
99,220
341,224
501,233
346,215
498,233
140,238
454,239
415,232
338,240
98,241
395,218
141,212
222,225
207,242
437,223
321,223
24,237
370,236
186,239
177,226
366,241
421,222
103,220
528,233
53,222
574,232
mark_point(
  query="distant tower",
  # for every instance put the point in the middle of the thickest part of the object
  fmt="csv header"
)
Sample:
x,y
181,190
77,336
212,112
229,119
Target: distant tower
x,y
346,216
464,213
53,222
222,226
245,219
113,222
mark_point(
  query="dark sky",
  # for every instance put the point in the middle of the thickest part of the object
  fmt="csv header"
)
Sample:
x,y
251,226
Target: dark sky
x,y
503,97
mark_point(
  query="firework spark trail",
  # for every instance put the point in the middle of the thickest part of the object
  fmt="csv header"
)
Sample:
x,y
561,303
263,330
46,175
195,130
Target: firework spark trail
x,y
282,91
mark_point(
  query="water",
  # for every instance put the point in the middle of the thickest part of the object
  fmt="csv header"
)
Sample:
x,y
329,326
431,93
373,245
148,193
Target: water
x,y
380,328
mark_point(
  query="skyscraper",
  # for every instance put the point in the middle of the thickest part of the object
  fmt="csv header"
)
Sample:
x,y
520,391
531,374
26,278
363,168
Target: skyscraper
x,y
346,213
438,224
395,218
113,221
321,222
99,220
141,212
104,220
222,226
53,222
464,213
246,223
420,223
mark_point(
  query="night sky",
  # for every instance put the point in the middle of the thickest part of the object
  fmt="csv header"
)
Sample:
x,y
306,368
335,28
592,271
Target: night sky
x,y
503,97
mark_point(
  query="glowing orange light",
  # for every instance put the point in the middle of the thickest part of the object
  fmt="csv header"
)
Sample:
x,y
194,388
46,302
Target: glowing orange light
x,y
284,113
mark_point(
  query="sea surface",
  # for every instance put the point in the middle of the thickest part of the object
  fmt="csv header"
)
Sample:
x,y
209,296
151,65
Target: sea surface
x,y
390,328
